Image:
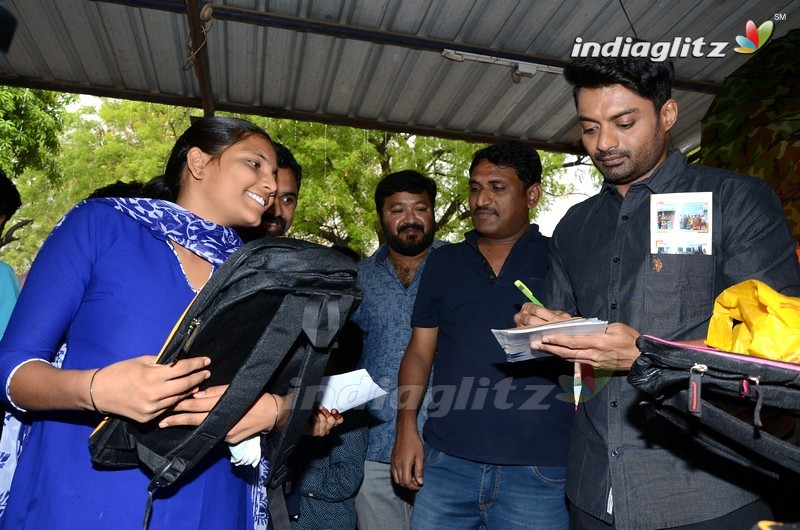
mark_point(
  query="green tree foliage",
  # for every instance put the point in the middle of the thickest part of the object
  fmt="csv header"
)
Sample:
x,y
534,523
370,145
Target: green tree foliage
x,y
128,140
120,140
340,168
342,165
30,124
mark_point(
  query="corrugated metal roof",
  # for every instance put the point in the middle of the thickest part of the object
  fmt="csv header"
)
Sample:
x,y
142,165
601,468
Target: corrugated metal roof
x,y
369,63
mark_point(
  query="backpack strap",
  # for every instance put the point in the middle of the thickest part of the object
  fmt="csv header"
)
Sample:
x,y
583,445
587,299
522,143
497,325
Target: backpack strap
x,y
278,512
250,380
322,319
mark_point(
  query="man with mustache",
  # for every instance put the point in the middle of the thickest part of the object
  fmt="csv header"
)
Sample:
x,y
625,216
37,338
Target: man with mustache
x,y
405,203
495,442
628,470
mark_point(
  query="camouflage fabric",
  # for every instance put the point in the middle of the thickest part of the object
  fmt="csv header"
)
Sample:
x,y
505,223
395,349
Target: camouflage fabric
x,y
753,124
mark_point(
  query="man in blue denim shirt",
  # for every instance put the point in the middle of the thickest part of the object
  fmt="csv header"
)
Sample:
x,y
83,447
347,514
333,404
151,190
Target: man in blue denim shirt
x,y
628,470
389,280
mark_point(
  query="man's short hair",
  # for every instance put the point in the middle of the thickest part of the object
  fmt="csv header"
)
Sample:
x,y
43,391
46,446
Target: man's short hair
x,y
650,80
286,161
408,181
10,200
519,156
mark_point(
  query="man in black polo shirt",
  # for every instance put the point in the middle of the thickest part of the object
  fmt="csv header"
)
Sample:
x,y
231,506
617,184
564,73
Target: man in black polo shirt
x,y
497,433
610,260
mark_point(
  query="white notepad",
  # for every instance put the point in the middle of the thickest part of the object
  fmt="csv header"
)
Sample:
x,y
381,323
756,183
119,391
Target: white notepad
x,y
516,342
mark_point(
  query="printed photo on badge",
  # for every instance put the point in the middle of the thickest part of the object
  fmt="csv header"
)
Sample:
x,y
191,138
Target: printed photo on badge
x,y
681,223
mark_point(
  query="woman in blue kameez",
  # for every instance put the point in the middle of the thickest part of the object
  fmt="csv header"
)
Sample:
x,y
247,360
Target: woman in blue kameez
x,y
107,287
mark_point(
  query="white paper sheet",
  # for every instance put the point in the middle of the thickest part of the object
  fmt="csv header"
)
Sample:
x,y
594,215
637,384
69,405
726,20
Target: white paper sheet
x,y
346,391
516,342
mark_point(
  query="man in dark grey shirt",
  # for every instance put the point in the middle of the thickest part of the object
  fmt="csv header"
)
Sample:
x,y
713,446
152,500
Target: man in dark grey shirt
x,y
612,259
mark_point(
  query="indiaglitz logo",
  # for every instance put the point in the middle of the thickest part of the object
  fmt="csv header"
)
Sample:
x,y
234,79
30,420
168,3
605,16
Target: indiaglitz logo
x,y
656,51
754,38
582,391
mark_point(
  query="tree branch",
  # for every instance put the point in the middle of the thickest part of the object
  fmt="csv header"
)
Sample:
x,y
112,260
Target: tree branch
x,y
9,237
580,161
450,212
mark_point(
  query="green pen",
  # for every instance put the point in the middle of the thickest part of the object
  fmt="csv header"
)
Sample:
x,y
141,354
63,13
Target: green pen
x,y
527,292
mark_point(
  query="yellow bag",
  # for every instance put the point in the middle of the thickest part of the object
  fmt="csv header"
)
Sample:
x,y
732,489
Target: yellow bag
x,y
753,319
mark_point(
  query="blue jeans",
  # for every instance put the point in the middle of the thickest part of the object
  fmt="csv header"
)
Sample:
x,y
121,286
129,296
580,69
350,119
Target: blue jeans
x,y
459,494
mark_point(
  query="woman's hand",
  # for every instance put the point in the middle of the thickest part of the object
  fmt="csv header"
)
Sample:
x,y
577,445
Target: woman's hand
x,y
322,421
141,390
260,417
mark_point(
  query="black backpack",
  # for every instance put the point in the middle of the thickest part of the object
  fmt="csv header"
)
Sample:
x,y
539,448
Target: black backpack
x,y
692,386
267,318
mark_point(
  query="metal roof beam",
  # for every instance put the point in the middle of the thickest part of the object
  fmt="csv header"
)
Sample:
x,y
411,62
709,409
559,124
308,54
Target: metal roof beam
x,y
420,130
174,6
199,40
197,37
262,18
331,29
191,102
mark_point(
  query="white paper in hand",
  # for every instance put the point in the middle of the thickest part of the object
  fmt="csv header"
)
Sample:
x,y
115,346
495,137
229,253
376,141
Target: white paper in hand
x,y
517,341
346,391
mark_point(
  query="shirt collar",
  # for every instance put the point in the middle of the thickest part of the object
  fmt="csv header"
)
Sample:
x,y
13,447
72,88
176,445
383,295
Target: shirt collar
x,y
663,178
471,237
382,254
661,181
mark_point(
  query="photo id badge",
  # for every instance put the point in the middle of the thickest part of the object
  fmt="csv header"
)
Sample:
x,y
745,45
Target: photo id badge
x,y
681,223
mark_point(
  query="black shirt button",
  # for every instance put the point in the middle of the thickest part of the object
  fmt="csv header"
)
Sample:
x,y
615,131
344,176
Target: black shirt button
x,y
624,217
613,306
616,260
614,454
613,403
